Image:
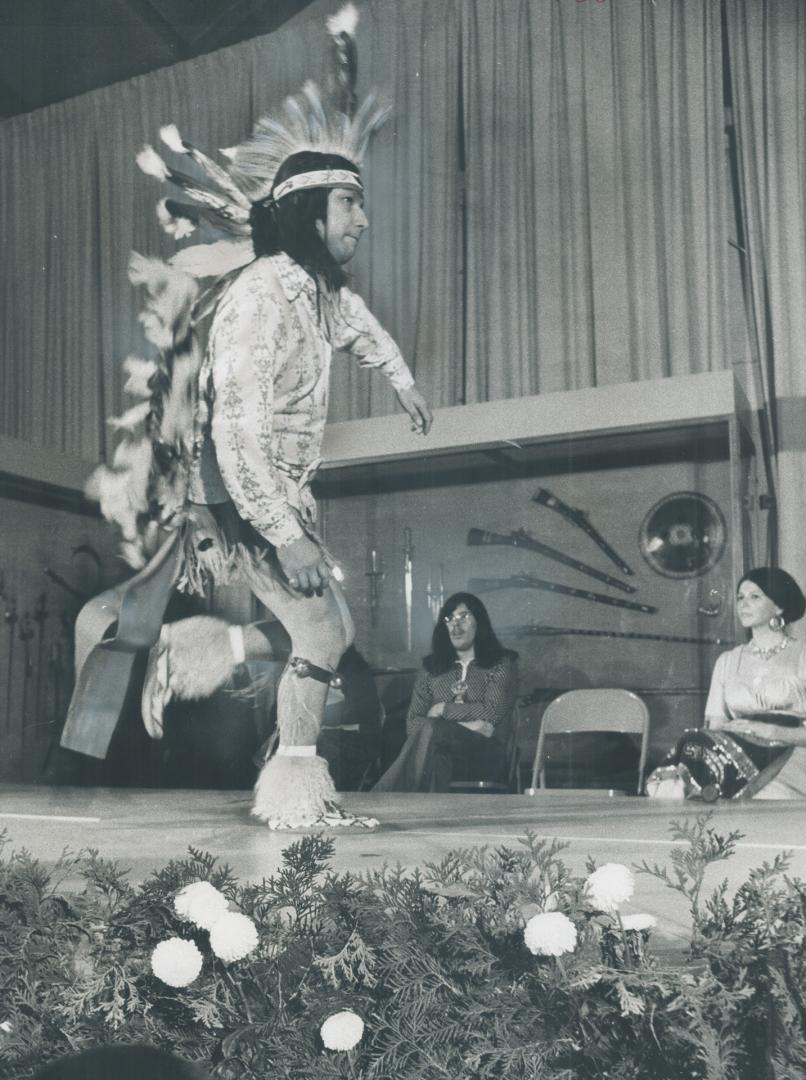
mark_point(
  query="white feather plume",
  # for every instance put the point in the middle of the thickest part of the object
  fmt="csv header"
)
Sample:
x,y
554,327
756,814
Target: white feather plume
x,y
170,297
344,21
177,227
213,260
303,122
139,372
169,134
151,163
131,551
123,489
131,418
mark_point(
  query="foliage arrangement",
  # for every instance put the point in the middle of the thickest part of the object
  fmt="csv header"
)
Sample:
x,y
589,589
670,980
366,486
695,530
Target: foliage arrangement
x,y
492,964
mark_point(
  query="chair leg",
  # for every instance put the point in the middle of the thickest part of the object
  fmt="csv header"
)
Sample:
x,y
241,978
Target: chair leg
x,y
515,785
371,775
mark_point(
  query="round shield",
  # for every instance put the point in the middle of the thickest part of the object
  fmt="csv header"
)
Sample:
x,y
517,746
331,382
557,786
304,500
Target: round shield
x,y
683,535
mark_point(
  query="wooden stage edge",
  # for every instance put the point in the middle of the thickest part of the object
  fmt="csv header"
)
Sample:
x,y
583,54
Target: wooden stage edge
x,y
144,829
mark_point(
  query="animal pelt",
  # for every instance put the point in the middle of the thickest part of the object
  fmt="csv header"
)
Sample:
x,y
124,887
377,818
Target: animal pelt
x,y
200,659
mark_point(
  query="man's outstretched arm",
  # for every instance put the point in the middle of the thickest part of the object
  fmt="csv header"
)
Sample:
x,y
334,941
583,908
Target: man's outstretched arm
x,y
418,409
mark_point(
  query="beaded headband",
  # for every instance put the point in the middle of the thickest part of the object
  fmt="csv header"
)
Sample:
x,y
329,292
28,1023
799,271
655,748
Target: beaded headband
x,y
319,178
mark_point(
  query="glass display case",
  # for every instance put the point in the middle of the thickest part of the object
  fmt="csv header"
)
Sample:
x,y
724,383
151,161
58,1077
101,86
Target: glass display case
x,y
603,528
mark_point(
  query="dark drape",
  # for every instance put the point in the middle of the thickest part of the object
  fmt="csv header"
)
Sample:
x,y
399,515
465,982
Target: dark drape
x,y
550,203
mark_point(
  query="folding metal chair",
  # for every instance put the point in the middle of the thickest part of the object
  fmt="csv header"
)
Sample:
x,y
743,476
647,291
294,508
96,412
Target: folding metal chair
x,y
592,711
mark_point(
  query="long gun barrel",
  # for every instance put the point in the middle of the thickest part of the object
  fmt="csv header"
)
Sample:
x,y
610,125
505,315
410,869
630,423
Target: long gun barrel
x,y
542,630
578,518
529,581
522,539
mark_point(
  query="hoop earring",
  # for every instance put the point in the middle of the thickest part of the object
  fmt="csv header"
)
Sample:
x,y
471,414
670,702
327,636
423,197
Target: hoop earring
x,y
777,622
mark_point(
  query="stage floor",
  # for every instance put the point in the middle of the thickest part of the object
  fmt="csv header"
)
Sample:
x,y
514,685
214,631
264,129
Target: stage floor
x,y
143,829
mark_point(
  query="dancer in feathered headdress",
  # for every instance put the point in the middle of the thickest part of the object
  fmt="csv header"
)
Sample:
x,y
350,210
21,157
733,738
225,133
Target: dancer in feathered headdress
x,y
213,474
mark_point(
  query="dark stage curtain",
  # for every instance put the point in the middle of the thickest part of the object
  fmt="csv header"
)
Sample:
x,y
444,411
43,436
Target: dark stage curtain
x,y
550,202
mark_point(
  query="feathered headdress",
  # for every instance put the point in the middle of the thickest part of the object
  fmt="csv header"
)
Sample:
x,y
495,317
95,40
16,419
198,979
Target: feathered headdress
x,y
146,486
332,124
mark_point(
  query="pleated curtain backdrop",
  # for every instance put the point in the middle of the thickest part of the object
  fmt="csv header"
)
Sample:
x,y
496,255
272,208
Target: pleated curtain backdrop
x,y
409,265
549,203
596,193
73,205
767,54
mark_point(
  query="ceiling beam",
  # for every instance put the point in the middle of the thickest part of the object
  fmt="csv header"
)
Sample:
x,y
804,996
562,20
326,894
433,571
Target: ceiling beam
x,y
12,102
161,28
220,29
267,15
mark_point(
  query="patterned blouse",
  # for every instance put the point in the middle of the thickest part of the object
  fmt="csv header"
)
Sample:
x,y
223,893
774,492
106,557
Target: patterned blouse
x,y
487,694
269,351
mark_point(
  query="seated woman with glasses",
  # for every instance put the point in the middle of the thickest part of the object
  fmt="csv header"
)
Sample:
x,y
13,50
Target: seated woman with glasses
x,y
459,719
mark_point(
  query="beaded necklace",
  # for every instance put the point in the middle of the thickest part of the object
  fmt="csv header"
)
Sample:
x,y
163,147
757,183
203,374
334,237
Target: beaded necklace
x,y
766,654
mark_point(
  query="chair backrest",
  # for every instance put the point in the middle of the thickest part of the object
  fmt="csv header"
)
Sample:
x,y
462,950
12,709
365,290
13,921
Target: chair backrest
x,y
593,710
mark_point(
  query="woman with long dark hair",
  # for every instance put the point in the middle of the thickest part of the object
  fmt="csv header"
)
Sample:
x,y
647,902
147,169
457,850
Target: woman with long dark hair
x,y
458,724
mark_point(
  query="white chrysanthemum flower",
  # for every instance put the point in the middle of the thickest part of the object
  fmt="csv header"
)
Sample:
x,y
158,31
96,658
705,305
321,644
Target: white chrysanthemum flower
x,y
342,1030
200,903
550,934
233,936
609,886
639,922
176,962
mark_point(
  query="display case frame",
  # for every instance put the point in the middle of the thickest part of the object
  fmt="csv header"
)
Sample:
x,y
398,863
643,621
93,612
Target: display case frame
x,y
699,418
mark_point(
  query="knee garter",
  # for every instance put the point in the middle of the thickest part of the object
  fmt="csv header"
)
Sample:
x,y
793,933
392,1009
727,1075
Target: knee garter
x,y
306,669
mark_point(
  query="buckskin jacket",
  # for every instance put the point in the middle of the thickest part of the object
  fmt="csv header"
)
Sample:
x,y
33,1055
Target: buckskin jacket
x,y
269,353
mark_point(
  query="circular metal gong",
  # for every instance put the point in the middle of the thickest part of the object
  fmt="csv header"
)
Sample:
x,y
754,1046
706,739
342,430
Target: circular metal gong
x,y
683,535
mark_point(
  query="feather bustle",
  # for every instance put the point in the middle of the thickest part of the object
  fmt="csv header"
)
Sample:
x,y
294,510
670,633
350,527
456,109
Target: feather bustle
x,y
169,133
178,227
213,260
151,163
344,21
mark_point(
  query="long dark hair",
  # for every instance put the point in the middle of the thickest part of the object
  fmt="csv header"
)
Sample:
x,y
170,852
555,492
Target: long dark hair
x,y
487,649
290,224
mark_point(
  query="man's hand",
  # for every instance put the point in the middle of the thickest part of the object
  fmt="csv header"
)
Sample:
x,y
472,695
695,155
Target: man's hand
x,y
303,565
436,710
418,409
